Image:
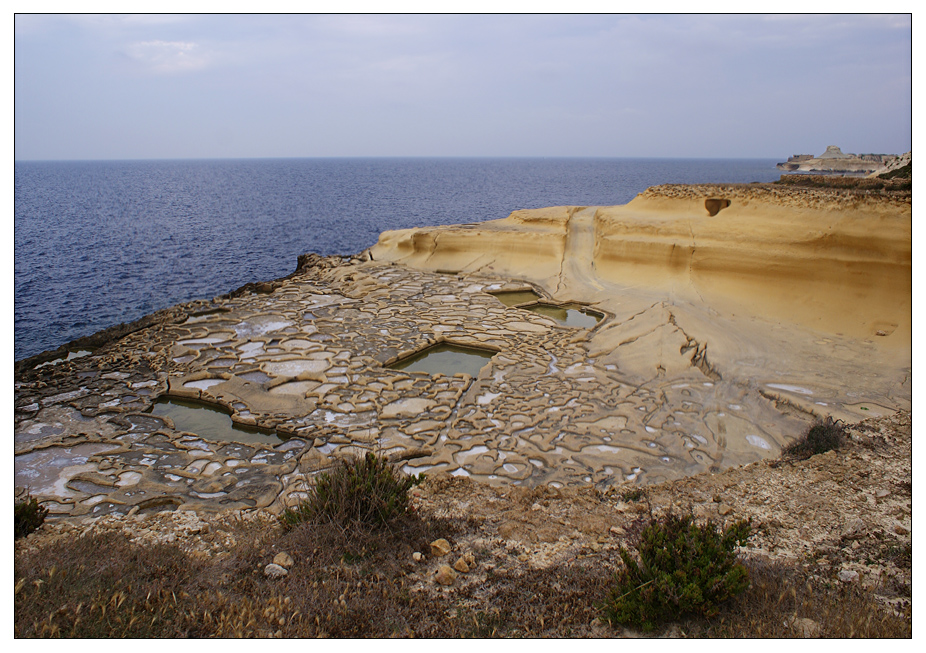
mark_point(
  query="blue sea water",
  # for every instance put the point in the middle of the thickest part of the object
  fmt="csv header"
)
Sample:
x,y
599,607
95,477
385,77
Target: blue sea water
x,y
103,242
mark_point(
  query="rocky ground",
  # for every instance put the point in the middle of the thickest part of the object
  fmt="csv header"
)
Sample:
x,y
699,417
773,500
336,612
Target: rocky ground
x,y
540,466
844,516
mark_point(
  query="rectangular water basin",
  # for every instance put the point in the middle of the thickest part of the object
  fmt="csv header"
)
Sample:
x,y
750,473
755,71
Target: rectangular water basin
x,y
209,422
446,359
568,315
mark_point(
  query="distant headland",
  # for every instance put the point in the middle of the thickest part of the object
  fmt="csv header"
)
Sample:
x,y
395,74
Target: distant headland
x,y
835,162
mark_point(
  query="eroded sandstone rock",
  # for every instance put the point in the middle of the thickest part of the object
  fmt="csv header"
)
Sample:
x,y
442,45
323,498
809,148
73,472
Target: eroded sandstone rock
x,y
687,372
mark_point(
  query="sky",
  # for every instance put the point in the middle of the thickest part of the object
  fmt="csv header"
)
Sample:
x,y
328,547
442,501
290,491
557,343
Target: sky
x,y
104,86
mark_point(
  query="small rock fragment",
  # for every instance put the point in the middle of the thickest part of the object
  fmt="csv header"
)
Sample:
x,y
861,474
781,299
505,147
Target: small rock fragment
x,y
461,566
440,548
445,575
848,576
882,493
806,628
724,509
417,557
854,529
283,559
275,571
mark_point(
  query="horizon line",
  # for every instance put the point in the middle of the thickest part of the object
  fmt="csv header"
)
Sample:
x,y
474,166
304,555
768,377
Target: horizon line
x,y
422,156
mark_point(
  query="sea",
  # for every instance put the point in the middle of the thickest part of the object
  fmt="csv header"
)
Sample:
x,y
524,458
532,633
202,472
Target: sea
x,y
98,243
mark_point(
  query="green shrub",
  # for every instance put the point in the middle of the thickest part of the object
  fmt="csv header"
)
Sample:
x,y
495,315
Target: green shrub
x,y
359,491
633,494
28,515
822,436
904,172
680,568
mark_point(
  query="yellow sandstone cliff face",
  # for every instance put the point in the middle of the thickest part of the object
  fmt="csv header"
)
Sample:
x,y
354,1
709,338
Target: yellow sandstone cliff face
x,y
526,239
832,262
797,296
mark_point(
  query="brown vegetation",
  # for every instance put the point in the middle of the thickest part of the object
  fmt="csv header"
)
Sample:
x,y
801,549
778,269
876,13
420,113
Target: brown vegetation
x,y
355,583
895,184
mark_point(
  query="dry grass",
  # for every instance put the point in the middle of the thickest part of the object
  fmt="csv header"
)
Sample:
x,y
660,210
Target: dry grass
x,y
779,596
348,582
102,586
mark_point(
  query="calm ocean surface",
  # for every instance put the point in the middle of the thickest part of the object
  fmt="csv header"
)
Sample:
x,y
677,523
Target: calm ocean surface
x,y
103,242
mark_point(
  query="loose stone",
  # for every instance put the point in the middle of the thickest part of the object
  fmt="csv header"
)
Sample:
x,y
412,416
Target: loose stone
x,y
275,571
283,559
440,548
848,576
806,628
445,575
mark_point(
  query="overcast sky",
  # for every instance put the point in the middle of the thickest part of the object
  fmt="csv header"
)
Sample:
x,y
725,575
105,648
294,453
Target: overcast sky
x,y
140,87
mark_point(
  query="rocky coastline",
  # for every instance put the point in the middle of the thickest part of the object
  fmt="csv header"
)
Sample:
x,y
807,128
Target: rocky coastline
x,y
729,318
706,357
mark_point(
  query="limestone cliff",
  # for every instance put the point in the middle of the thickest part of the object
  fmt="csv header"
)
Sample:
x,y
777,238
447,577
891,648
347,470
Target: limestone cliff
x,y
897,164
838,263
824,259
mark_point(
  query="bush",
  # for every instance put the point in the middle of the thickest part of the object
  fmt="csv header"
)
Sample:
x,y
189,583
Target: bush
x,y
904,172
633,494
359,491
680,568
28,515
822,436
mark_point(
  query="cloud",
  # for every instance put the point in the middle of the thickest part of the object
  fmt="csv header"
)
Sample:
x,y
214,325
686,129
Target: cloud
x,y
167,57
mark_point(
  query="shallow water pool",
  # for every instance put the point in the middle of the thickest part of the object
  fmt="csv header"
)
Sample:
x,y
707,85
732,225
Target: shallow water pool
x,y
570,316
209,422
446,359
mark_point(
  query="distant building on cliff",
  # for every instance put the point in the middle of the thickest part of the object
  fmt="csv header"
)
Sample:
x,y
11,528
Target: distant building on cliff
x,y
833,152
835,162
